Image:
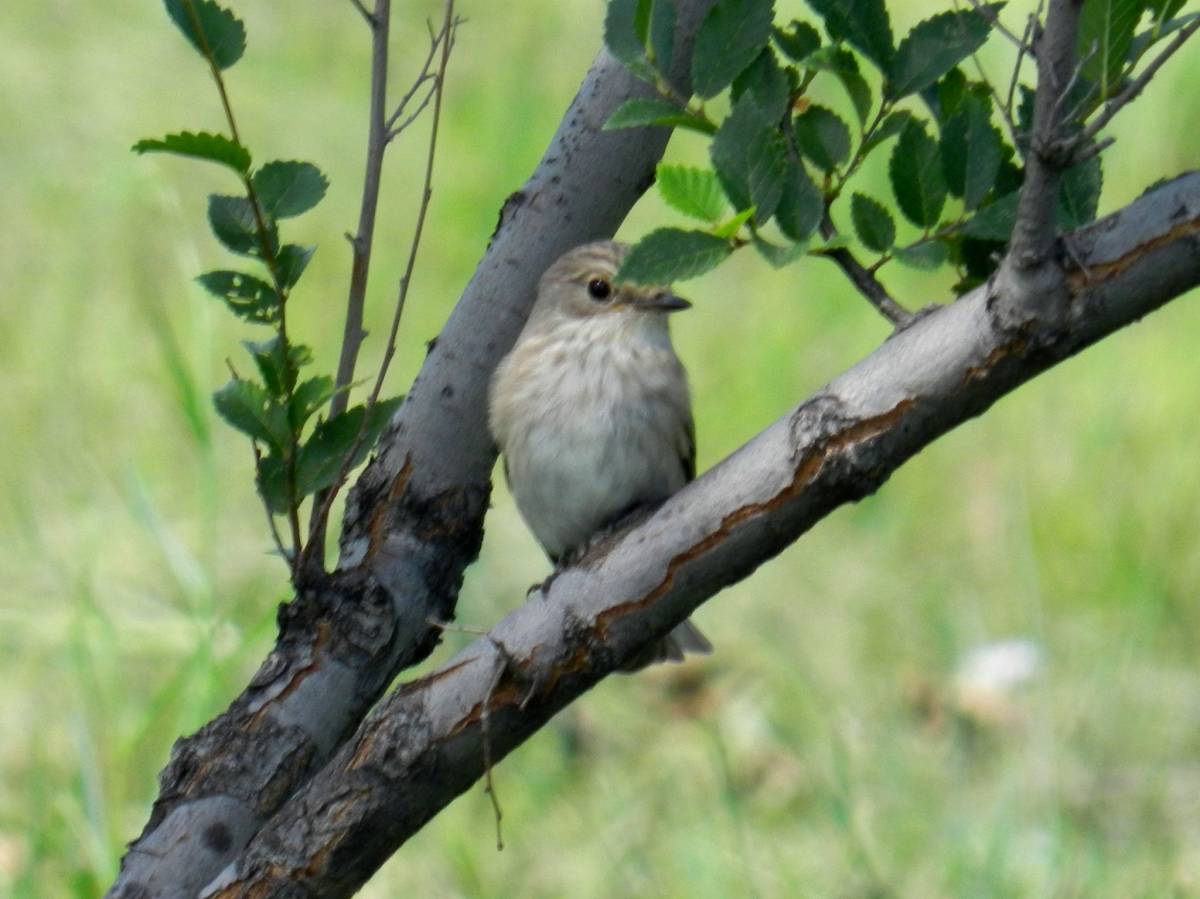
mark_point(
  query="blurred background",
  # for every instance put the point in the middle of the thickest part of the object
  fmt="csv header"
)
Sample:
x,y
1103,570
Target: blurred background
x,y
980,682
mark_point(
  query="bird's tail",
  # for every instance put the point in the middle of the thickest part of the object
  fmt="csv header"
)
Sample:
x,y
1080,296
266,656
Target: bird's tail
x,y
674,647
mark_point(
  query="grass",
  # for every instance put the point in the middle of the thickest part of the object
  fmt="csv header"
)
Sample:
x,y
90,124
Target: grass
x,y
818,753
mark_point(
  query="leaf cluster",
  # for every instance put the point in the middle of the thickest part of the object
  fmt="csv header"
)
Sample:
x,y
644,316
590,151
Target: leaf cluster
x,y
782,162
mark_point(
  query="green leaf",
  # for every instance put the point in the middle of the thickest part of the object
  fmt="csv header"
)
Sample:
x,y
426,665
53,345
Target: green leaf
x,y
916,173
202,145
622,37
271,480
307,399
778,256
766,82
750,157
1142,42
1079,194
215,32
923,256
292,260
249,408
286,189
732,34
934,47
895,123
994,221
642,112
247,296
670,254
729,229
863,24
873,223
801,206
823,137
321,458
662,35
971,151
841,63
233,222
692,191
799,40
1105,38
278,371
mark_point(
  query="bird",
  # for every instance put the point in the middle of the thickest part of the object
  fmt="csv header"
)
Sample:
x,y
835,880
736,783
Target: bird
x,y
592,413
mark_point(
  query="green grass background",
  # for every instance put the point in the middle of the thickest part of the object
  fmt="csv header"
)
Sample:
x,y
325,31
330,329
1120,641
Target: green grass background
x,y
817,753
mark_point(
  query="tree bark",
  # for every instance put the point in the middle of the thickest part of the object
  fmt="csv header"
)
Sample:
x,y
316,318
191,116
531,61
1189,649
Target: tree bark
x,y
427,742
414,520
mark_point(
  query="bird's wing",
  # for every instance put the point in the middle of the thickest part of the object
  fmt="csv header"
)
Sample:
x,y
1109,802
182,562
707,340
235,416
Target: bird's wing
x,y
687,454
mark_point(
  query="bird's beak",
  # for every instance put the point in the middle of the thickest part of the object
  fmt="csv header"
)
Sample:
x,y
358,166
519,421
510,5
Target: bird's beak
x,y
661,302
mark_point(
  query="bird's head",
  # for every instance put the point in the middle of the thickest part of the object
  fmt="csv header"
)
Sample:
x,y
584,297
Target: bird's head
x,y
581,284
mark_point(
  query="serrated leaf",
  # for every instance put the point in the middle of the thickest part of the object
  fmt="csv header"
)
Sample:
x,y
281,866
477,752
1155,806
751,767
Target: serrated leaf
x,y
1079,194
994,221
622,37
863,24
1105,38
872,222
801,206
321,458
215,32
692,191
923,256
895,123
233,222
778,256
916,174
766,82
200,145
292,260
248,407
729,229
750,158
971,152
247,296
944,97
798,40
309,397
271,480
662,34
671,254
841,63
822,137
278,371
731,35
644,112
287,189
934,47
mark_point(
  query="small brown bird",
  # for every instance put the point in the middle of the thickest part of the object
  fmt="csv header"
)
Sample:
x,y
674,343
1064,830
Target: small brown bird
x,y
591,410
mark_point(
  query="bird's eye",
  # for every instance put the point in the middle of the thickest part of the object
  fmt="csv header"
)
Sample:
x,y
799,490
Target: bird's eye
x,y
599,289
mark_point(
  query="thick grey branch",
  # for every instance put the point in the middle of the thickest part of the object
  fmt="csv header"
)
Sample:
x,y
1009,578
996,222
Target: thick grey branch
x,y
424,744
413,523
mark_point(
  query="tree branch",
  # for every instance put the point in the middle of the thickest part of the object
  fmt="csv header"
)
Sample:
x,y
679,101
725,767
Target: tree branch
x,y
424,745
864,280
413,522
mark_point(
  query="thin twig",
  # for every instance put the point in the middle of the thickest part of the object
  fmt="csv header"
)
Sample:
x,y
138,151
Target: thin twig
x,y
394,131
422,76
361,242
366,13
866,283
322,508
1026,42
984,10
1113,106
284,554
